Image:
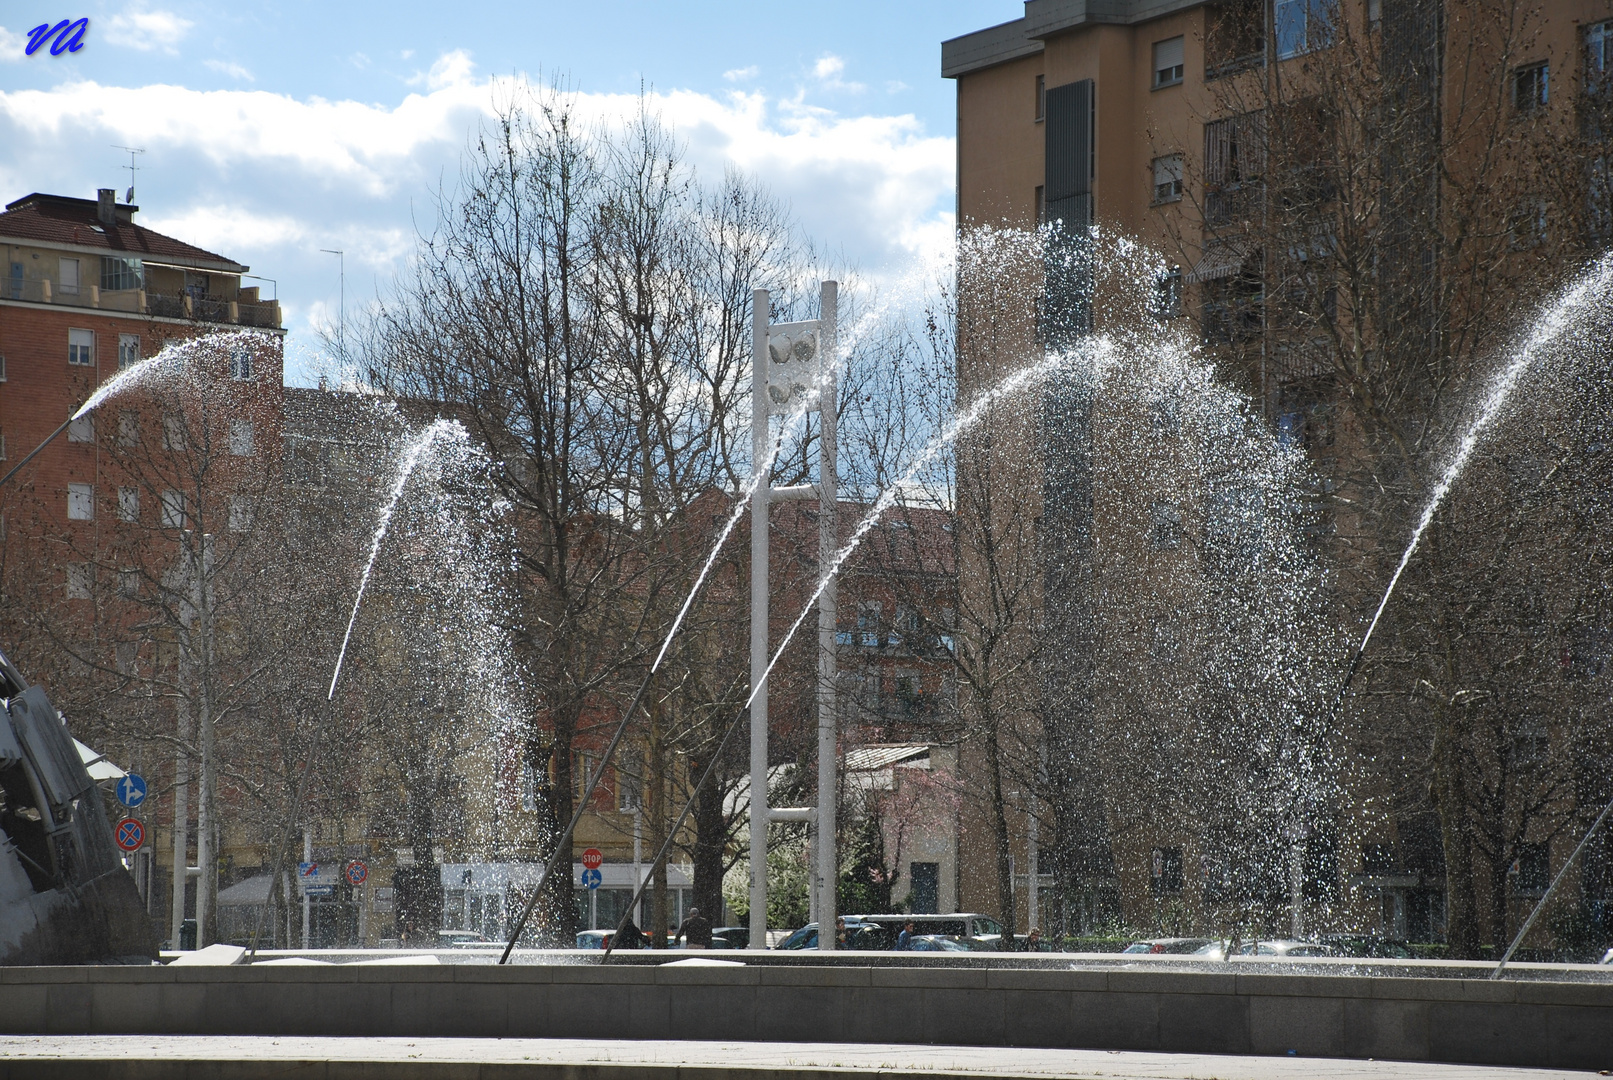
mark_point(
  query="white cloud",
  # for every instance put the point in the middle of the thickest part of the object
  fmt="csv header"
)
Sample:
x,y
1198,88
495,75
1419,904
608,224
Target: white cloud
x,y
450,69
406,54
12,45
233,70
828,70
144,29
270,179
740,74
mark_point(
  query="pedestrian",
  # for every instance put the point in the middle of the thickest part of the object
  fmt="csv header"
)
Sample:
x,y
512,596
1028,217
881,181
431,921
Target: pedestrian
x,y
904,940
697,928
628,937
840,933
1033,940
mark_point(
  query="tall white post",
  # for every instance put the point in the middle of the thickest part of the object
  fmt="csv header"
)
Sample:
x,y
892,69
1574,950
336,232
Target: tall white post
x,y
828,874
760,311
181,823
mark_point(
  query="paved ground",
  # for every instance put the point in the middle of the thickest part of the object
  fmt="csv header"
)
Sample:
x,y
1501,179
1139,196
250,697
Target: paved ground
x,y
229,1058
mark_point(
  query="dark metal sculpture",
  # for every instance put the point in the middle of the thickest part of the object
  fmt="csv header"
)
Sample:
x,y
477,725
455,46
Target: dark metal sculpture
x,y
65,897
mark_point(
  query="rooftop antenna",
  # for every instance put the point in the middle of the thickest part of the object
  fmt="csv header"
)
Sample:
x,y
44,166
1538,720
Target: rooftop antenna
x,y
341,317
133,150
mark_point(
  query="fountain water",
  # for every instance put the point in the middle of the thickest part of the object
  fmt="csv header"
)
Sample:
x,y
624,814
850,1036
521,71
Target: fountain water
x,y
1590,289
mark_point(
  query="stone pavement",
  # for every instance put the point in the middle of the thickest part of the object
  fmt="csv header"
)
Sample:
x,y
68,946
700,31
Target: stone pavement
x,y
139,1057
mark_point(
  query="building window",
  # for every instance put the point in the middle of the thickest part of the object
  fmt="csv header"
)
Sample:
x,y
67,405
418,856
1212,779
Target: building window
x,y
128,350
241,438
1165,870
1167,526
173,433
1168,179
630,781
1041,98
1530,224
128,428
1531,87
80,581
120,274
81,428
81,347
1304,26
240,513
128,504
173,509
529,787
1374,14
2,368
1168,62
1598,54
240,363
67,275
81,502
869,616
1531,869
925,897
1168,294
128,584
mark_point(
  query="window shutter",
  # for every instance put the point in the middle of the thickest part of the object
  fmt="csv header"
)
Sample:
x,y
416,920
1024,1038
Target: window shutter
x,y
1069,153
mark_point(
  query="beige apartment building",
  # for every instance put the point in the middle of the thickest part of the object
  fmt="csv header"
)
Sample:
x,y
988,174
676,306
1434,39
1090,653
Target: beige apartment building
x,y
1220,135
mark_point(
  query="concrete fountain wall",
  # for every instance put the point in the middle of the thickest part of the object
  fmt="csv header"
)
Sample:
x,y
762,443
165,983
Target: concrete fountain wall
x,y
1566,1024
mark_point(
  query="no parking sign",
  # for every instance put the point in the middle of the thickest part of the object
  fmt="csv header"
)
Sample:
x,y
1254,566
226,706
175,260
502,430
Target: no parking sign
x,y
357,872
130,834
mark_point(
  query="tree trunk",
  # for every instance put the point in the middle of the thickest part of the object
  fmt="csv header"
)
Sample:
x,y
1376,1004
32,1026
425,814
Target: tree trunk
x,y
1450,801
999,823
710,838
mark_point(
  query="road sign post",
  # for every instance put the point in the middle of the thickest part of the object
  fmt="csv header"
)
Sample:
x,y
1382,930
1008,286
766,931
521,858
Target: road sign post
x,y
130,834
132,790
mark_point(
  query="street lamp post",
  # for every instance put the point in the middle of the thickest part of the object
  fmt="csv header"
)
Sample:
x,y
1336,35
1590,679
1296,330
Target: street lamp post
x,y
793,368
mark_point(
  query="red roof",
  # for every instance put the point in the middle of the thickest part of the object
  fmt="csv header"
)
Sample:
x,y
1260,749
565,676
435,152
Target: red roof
x,y
59,219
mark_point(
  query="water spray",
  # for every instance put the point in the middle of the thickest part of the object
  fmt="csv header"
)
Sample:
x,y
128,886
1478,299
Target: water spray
x,y
742,503
1594,282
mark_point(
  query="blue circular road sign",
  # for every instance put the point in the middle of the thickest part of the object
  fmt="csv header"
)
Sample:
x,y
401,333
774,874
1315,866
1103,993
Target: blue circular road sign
x,y
132,790
592,878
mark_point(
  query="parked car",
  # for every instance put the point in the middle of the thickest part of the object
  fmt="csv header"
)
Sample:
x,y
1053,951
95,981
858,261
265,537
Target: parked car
x,y
730,937
594,939
1173,946
1217,950
860,937
1367,945
940,943
1607,958
962,925
461,939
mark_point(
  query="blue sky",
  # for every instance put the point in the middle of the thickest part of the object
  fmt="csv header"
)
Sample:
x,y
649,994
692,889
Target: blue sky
x,y
275,129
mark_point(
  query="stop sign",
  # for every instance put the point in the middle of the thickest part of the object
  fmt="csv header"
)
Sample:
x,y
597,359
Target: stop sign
x,y
592,858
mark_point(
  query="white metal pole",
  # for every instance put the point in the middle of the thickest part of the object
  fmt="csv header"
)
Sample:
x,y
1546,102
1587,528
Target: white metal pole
x,y
828,874
760,312
307,856
181,824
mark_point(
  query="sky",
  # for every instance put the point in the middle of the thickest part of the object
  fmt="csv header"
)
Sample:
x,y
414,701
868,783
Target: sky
x,y
275,129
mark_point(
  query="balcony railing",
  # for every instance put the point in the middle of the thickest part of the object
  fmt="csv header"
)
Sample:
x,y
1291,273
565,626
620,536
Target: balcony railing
x,y
140,302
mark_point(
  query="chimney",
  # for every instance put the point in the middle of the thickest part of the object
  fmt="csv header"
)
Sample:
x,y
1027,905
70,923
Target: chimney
x,y
106,206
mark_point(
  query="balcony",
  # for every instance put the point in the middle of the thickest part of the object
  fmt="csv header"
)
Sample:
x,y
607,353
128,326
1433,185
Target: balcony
x,y
208,309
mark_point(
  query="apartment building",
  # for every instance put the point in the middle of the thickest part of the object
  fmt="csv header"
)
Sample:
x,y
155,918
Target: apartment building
x,y
1218,135
96,530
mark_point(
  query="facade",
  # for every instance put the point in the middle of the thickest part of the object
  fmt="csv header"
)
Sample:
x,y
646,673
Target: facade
x,y
1211,133
104,522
